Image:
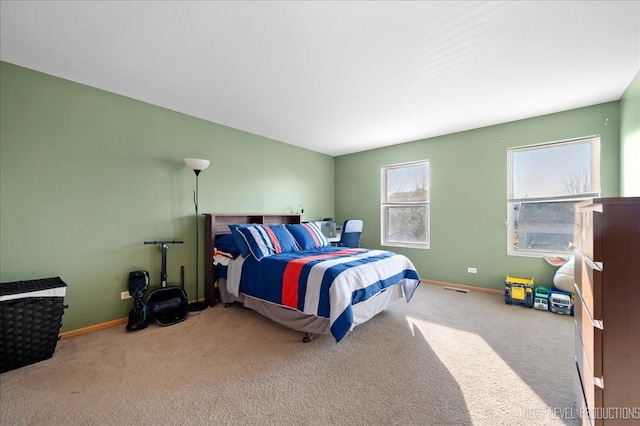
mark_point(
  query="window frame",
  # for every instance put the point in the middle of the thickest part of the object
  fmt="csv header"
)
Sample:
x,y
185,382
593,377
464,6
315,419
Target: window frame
x,y
595,187
385,205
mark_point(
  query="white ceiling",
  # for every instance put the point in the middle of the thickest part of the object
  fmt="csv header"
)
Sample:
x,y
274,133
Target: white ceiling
x,y
337,77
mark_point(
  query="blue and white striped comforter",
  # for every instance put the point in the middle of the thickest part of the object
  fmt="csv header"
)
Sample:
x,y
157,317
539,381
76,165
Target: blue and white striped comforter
x,y
325,282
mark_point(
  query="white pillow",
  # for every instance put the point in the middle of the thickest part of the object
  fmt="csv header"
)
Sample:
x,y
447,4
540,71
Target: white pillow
x,y
564,279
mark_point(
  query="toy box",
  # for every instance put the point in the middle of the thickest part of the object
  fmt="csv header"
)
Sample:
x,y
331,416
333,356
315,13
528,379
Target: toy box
x,y
518,290
560,302
541,298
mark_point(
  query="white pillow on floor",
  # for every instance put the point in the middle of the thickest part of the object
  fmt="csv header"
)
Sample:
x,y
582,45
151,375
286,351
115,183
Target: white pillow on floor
x,y
563,279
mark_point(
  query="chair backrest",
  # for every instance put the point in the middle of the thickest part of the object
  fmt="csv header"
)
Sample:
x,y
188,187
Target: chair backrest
x,y
350,234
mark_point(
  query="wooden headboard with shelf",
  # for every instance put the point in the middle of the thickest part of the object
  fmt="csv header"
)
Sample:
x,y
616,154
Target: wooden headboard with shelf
x,y
218,224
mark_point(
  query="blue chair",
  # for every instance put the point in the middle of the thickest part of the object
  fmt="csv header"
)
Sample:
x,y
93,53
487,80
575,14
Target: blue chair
x,y
350,235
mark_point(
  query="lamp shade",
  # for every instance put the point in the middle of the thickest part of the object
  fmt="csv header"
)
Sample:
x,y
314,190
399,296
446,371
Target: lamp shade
x,y
196,164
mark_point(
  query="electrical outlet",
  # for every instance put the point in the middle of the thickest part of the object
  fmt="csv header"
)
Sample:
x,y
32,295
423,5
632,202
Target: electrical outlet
x,y
472,270
125,295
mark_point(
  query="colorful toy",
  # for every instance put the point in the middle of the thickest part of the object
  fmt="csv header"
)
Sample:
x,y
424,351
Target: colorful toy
x,y
560,302
518,290
541,298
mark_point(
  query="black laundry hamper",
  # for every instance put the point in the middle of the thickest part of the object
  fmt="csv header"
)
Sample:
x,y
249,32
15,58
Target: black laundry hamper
x,y
31,316
167,305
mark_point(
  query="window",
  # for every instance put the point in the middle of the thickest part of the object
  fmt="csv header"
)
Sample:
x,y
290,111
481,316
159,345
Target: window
x,y
405,205
544,184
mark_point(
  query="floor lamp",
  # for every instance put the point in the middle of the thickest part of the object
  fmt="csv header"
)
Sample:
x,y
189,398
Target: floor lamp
x,y
197,165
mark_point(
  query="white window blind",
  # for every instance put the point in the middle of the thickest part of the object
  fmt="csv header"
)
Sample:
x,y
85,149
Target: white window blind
x,y
562,170
544,184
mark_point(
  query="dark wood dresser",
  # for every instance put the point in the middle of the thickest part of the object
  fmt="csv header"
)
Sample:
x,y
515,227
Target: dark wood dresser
x,y
607,310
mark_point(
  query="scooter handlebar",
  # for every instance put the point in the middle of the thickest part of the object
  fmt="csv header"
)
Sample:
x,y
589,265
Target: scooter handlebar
x,y
164,242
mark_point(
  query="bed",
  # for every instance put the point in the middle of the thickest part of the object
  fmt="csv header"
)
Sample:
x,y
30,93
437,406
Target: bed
x,y
290,274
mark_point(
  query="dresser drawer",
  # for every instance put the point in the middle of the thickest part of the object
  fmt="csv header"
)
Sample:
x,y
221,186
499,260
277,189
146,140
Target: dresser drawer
x,y
588,343
581,399
591,386
587,234
588,278
589,335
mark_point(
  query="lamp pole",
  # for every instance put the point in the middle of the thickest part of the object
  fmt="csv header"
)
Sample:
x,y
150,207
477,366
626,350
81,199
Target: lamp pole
x,y
197,166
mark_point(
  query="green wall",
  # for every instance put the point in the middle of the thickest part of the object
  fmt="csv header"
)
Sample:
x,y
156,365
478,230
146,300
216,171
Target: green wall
x,y
86,176
468,192
630,139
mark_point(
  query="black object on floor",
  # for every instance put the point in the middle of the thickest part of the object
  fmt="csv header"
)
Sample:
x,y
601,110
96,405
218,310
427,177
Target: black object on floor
x,y
138,284
167,305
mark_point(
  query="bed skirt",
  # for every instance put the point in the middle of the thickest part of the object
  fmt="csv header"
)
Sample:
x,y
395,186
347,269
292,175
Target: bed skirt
x,y
298,321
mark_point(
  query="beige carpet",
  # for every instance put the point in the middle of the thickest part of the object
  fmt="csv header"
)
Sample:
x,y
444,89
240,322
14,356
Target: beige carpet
x,y
444,358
